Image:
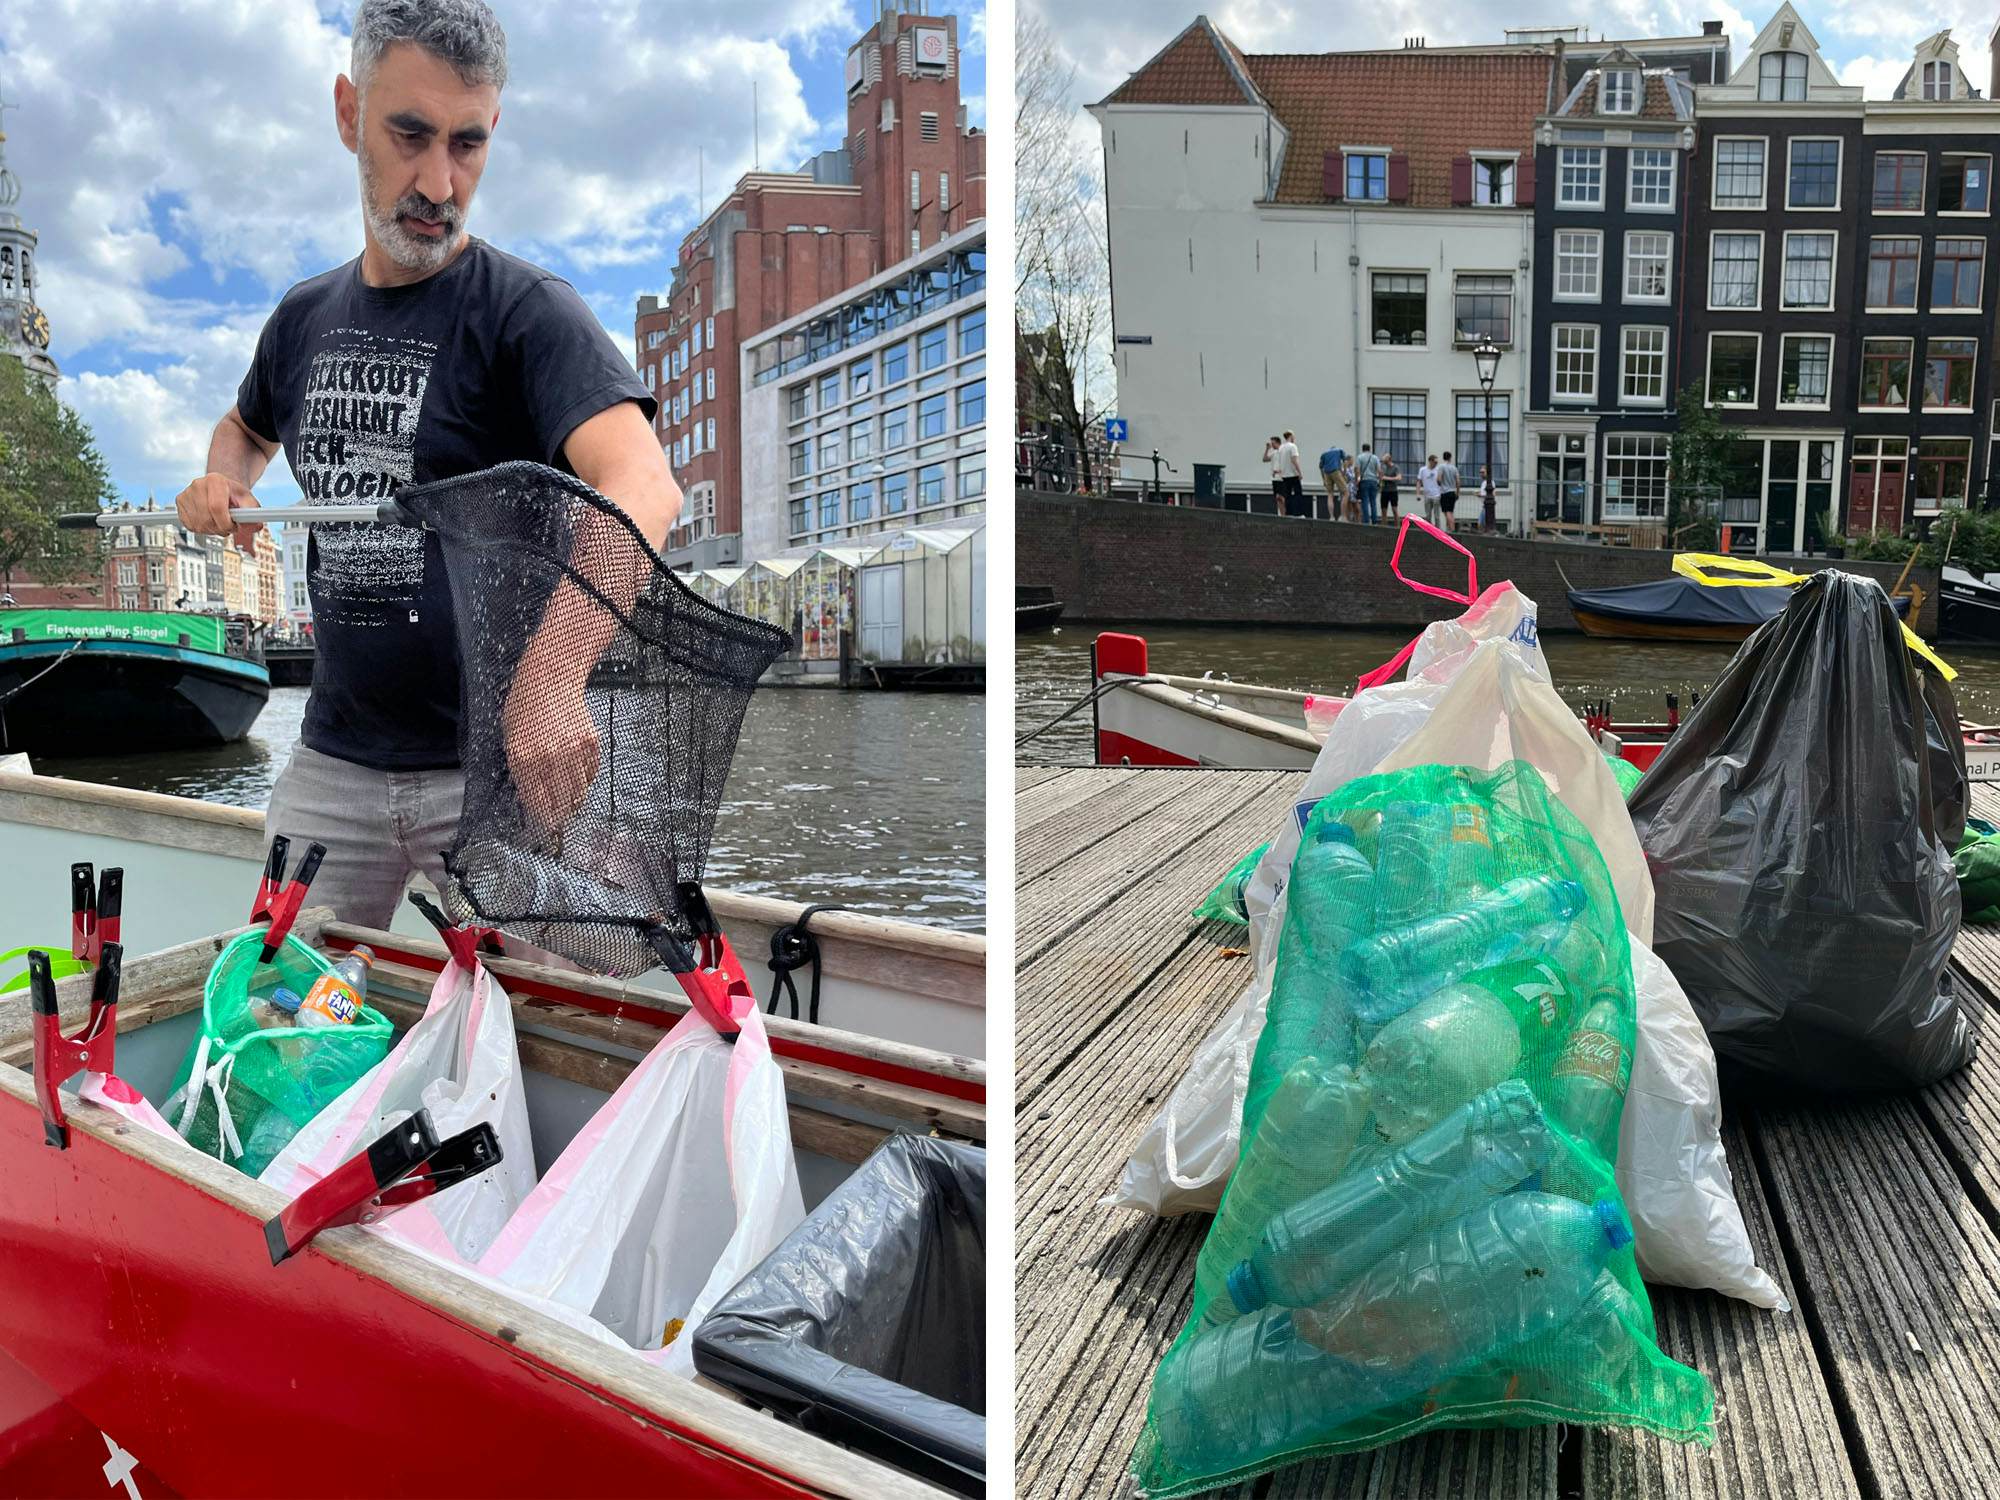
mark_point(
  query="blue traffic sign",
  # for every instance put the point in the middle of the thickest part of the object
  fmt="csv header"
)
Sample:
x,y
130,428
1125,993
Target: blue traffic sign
x,y
1114,429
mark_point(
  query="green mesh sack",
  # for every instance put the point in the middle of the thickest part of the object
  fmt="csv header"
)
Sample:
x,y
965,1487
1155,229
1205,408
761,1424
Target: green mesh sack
x,y
1424,1229
1225,903
243,1091
1628,775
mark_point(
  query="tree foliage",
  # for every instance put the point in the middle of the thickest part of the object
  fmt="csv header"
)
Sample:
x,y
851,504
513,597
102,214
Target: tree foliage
x,y
1698,462
49,464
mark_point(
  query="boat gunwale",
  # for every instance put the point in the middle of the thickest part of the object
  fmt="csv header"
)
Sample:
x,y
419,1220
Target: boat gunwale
x,y
1240,720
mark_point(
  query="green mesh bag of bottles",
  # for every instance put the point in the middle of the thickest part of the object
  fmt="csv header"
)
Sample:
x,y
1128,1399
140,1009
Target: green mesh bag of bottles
x,y
1225,903
243,1089
1424,1229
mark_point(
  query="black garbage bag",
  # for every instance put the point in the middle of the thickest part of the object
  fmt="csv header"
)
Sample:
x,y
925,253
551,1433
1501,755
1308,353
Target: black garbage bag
x,y
1800,828
867,1325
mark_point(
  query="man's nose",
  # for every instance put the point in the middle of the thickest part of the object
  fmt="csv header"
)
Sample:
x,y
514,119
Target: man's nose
x,y
434,174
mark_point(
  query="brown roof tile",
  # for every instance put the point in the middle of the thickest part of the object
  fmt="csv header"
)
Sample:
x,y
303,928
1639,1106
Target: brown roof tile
x,y
1194,68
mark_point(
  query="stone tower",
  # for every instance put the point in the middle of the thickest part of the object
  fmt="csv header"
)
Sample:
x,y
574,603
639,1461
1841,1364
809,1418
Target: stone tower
x,y
24,327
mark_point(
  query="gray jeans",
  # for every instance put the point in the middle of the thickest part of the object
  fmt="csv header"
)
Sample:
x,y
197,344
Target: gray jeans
x,y
379,828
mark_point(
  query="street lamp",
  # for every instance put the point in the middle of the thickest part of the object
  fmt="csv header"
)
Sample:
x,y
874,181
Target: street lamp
x,y
1486,360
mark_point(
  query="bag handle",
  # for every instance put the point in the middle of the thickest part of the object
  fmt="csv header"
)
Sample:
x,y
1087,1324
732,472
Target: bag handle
x,y
1388,668
1704,568
1471,563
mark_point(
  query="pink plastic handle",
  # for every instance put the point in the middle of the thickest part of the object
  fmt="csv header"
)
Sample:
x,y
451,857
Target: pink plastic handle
x,y
1394,664
1471,564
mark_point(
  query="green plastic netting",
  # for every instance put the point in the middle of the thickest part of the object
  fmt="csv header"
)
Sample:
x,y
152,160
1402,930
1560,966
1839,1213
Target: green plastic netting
x,y
1424,1229
1225,902
259,1086
1628,775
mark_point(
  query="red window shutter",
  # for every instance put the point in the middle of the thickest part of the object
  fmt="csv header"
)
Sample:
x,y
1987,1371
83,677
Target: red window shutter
x,y
1524,180
1399,177
1461,181
1333,176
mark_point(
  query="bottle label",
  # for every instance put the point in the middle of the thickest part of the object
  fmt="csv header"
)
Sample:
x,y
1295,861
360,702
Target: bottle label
x,y
334,1000
1598,1055
1468,825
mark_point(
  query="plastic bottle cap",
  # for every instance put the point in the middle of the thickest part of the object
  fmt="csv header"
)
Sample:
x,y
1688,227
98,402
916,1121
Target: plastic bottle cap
x,y
1617,1232
1333,831
284,999
1244,1289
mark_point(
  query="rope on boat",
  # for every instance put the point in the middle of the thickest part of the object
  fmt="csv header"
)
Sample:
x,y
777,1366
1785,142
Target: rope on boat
x,y
22,687
793,947
1084,702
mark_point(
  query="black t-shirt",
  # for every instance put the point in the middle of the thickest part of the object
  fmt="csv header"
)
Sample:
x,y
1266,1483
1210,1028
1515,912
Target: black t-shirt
x,y
371,388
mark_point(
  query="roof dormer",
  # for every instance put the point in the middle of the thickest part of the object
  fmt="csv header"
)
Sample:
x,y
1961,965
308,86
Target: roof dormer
x,y
1784,65
1621,86
1935,76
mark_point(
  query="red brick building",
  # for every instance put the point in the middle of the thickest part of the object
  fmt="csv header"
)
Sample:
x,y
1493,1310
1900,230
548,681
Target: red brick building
x,y
910,172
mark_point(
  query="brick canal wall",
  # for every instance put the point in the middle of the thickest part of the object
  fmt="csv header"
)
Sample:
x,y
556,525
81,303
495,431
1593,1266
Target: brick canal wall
x,y
1121,560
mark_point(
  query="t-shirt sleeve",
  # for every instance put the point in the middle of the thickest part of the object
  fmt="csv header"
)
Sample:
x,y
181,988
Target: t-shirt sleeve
x,y
254,401
570,370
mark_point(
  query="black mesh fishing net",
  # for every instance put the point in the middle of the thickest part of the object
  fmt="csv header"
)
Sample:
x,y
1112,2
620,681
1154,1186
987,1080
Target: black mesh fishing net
x,y
590,795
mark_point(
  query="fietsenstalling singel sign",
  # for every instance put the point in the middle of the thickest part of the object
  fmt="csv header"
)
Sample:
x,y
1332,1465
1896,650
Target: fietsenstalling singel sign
x,y
203,632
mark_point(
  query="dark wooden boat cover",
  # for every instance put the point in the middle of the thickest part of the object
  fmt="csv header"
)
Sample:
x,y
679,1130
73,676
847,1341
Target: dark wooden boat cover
x,y
1682,601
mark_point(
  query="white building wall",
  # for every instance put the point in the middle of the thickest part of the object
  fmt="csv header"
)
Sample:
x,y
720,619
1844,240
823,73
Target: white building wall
x,y
1258,316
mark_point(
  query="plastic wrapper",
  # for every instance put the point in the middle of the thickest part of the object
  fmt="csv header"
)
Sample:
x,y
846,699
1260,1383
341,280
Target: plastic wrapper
x,y
1800,827
1977,860
868,1324
1452,1271
1225,902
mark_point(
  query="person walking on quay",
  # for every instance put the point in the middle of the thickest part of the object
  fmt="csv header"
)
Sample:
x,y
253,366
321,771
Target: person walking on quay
x,y
1390,475
1272,445
1427,487
1447,479
1486,498
469,357
1295,479
1333,475
1367,482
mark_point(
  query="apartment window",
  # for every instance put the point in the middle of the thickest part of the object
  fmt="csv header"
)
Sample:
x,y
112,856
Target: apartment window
x,y
933,345
896,494
1580,176
1649,178
156,572
1739,174
1575,372
1732,369
1899,182
1735,264
1577,255
1965,184
829,509
1493,181
1469,439
972,333
1892,272
1642,373
681,357
944,191
1648,265
930,417
1635,475
694,438
916,241
1398,429
1943,465
1398,311
972,477
697,338
1367,175
829,451
895,429
972,404
799,516
709,324
1805,369
860,440
861,502
927,126
697,387
128,575
1948,374
1621,92
1808,270
861,378
1814,178
896,363
916,191
1955,274
1781,76
930,485
829,391
1482,307
1937,80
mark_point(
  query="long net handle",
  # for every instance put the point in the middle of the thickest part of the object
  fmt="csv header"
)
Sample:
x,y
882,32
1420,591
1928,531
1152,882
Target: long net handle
x,y
1711,570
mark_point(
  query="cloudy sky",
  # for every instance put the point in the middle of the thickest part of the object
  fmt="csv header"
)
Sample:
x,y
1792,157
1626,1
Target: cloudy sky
x,y
1867,42
178,159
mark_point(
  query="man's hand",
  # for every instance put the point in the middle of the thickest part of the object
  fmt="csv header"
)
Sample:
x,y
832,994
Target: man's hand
x,y
204,506
551,738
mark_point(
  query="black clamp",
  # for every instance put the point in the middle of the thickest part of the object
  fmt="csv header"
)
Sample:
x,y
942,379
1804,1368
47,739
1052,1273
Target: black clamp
x,y
792,948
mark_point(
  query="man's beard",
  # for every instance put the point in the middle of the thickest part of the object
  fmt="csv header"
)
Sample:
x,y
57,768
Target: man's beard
x,y
407,248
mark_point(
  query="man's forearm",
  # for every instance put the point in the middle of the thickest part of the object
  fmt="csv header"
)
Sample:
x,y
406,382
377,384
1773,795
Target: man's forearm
x,y
232,452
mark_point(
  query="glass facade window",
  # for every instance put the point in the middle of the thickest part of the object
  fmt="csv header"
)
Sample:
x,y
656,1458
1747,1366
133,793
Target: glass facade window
x,y
861,502
1965,184
1482,307
1892,272
1739,174
896,494
1956,271
972,333
1650,178
829,451
1809,270
930,417
1635,475
1732,369
1471,440
1580,176
829,509
1899,182
1781,76
1805,370
1398,427
930,485
1814,175
829,391
1397,315
1574,375
972,404
801,460
1642,377
896,363
1577,255
861,378
860,440
933,344
1367,175
895,429
1648,265
798,516
972,477
1948,374
1735,262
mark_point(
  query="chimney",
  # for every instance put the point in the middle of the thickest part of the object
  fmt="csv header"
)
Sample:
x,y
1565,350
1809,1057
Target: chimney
x,y
1711,28
1558,79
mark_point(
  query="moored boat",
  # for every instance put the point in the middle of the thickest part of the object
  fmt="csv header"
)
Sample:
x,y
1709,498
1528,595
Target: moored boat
x,y
1968,607
1681,609
76,681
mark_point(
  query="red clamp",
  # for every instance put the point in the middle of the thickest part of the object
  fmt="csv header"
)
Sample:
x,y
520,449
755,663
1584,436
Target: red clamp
x,y
464,944
278,903
94,910
715,984
403,1166
59,1058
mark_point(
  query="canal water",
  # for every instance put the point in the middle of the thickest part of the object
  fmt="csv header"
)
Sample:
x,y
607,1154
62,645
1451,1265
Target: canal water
x,y
875,801
1053,671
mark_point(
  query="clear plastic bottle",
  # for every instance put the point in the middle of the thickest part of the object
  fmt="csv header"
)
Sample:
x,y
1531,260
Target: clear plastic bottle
x,y
1472,867
1442,1051
1593,1073
1395,968
1598,1342
1308,1130
278,1009
1514,1268
1320,1243
1330,896
1539,996
1411,863
336,998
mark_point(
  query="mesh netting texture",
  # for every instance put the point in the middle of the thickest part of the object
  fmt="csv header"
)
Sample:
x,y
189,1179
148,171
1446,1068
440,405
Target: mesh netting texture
x,y
1424,1229
589,799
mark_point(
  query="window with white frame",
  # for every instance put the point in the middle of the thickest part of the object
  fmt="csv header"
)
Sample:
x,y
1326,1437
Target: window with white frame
x,y
1813,178
1475,417
1957,269
1805,369
1578,252
1648,265
1735,264
1580,176
1620,94
1398,300
1482,307
1649,178
1937,80
697,388
697,338
1899,182
1965,184
1635,475
1642,367
1732,368
710,325
1739,173
1808,269
1399,428
710,382
1574,368
1493,181
1368,175
1781,76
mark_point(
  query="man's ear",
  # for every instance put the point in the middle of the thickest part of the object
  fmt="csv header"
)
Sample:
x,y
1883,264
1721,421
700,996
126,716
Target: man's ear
x,y
347,112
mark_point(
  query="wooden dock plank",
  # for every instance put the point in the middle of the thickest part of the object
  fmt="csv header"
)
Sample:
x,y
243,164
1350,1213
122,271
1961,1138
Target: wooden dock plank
x,y
1046,799
1027,778
1076,829
1964,1109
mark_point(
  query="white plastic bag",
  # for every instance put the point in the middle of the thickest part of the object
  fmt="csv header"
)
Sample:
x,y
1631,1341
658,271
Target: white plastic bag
x,y
461,1063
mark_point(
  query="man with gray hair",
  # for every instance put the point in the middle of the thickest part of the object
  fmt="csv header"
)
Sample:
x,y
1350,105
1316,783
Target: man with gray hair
x,y
429,355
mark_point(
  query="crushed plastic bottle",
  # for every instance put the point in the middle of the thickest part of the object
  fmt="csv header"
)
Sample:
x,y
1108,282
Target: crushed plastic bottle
x,y
1331,892
1444,1050
1597,1340
1239,1391
1411,873
1315,1247
1396,967
1593,1073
